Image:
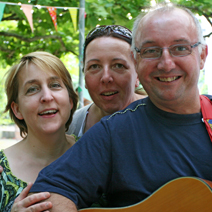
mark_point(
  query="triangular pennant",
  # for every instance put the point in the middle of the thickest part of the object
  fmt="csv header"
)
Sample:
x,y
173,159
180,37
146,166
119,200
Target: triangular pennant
x,y
53,14
27,9
73,13
2,6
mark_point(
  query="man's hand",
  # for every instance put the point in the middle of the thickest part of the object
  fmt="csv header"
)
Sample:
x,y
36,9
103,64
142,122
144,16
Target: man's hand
x,y
24,203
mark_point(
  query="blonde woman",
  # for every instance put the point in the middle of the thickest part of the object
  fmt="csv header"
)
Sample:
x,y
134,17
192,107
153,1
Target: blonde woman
x,y
41,101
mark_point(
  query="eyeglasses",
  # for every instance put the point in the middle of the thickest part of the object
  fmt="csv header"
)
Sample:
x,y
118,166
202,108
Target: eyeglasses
x,y
155,52
117,29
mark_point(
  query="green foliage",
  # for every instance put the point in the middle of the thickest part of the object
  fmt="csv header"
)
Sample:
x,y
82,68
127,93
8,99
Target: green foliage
x,y
4,117
16,37
203,87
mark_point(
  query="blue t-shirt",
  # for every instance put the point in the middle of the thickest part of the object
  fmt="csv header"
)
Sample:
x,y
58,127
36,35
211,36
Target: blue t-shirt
x,y
129,155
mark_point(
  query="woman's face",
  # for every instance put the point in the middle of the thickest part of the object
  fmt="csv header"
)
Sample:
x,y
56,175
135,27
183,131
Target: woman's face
x,y
43,101
110,75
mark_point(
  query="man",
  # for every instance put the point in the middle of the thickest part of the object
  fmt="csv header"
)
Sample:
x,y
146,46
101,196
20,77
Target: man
x,y
133,152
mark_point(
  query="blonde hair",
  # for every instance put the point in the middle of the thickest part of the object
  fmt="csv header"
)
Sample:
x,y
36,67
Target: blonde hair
x,y
46,62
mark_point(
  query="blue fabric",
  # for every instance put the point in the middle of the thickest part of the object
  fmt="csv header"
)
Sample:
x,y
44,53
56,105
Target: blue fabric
x,y
129,155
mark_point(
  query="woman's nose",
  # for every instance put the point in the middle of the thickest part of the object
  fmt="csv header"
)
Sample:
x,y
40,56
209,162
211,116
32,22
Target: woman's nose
x,y
46,95
106,75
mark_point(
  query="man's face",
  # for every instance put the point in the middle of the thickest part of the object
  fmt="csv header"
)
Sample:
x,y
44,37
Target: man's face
x,y
169,79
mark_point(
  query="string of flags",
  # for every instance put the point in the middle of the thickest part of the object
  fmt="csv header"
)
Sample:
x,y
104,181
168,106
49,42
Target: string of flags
x,y
28,11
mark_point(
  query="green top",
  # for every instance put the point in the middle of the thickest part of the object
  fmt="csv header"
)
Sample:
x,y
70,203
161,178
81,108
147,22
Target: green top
x,y
10,185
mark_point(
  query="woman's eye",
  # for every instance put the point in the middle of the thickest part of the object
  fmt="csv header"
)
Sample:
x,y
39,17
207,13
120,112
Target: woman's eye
x,y
55,85
119,65
94,66
32,89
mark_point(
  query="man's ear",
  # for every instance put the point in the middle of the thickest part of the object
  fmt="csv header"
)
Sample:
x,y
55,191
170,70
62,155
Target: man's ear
x,y
203,56
16,111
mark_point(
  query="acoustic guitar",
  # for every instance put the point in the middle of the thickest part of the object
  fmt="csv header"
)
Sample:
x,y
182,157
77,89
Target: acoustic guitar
x,y
184,194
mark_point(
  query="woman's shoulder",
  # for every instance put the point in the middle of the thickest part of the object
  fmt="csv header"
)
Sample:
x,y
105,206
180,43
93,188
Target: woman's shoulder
x,y
82,111
7,174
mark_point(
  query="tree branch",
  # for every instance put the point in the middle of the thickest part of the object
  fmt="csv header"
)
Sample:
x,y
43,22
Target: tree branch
x,y
208,18
208,35
6,50
59,38
9,52
12,17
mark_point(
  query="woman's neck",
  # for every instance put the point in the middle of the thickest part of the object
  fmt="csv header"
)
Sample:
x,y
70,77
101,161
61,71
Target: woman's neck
x,y
34,153
49,146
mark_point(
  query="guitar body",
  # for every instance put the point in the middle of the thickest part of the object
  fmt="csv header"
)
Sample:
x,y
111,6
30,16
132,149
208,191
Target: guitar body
x,y
185,194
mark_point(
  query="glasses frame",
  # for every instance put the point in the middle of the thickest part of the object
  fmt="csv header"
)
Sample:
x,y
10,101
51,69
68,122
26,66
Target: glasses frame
x,y
161,52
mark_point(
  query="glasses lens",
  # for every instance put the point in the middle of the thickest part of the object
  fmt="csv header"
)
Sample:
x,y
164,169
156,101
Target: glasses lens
x,y
150,52
180,50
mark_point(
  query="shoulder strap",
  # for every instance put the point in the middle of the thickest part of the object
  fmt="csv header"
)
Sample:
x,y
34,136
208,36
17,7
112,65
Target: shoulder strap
x,y
206,108
77,121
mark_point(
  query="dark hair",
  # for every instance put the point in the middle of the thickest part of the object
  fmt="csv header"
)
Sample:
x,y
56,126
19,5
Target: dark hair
x,y
116,31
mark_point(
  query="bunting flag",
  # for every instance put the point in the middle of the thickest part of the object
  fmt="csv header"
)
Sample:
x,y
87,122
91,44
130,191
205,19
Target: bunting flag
x,y
2,6
73,13
27,9
53,14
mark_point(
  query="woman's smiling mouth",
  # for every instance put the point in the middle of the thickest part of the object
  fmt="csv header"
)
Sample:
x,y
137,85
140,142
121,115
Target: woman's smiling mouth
x,y
109,93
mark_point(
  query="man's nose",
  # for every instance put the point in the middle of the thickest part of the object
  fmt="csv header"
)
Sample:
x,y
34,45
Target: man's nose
x,y
166,61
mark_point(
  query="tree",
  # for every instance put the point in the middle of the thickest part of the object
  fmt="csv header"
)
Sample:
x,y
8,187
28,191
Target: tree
x,y
200,7
17,39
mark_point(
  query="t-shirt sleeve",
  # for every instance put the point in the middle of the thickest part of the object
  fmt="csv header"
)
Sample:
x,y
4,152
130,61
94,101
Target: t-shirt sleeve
x,y
83,173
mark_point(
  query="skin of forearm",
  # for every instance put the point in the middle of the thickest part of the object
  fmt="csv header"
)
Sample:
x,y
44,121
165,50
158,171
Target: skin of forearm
x,y
61,203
